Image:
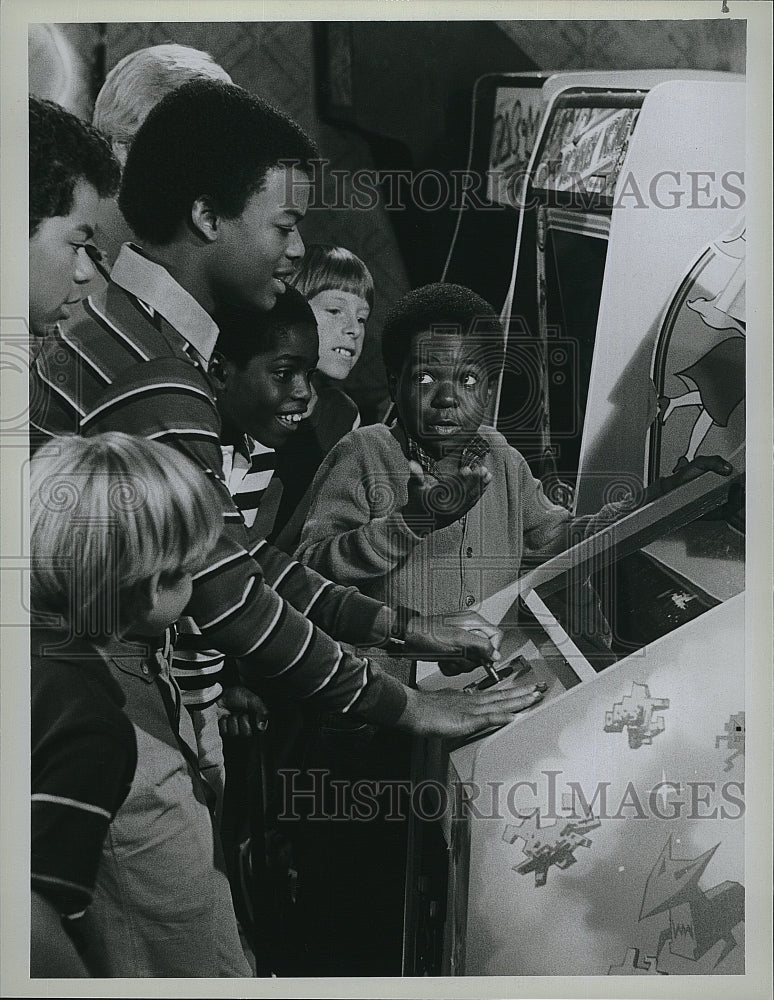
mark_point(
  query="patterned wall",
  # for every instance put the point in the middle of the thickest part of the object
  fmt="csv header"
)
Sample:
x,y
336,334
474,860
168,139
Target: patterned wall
x,y
712,44
274,60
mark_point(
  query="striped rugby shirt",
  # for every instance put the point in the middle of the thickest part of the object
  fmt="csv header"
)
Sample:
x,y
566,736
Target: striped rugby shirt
x,y
137,364
247,471
84,755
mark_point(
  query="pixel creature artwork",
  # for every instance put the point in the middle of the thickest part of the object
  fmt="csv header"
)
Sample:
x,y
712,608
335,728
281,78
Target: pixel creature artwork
x,y
549,845
734,737
635,712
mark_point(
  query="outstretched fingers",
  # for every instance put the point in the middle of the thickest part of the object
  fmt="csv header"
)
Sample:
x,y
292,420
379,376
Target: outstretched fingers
x,y
506,699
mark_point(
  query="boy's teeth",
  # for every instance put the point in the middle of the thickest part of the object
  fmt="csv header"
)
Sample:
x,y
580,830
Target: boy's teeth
x,y
291,418
344,351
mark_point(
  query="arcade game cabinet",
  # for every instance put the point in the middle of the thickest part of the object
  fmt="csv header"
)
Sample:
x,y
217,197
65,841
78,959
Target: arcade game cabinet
x,y
602,831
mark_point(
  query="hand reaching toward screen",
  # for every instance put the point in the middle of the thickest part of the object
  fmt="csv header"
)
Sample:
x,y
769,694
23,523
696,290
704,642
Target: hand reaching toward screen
x,y
686,471
463,713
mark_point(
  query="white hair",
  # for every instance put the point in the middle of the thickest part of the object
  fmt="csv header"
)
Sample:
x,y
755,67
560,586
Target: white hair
x,y
139,81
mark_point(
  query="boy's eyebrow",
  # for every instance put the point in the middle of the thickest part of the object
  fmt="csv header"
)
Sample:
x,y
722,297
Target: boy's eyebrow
x,y
428,356
290,210
340,293
303,358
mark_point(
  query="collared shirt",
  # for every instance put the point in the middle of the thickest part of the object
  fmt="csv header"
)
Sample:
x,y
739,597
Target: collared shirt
x,y
248,468
342,610
129,367
150,283
472,454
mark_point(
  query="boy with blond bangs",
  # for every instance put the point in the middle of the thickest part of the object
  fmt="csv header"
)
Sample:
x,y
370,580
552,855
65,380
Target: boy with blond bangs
x,y
119,526
340,290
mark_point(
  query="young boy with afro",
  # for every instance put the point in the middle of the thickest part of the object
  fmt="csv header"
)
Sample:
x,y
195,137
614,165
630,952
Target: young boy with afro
x,y
439,511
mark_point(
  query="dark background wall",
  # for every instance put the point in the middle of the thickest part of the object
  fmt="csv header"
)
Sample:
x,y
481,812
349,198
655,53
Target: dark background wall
x,y
382,96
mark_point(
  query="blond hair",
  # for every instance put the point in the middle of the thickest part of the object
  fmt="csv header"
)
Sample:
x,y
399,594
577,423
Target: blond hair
x,y
107,513
139,81
325,267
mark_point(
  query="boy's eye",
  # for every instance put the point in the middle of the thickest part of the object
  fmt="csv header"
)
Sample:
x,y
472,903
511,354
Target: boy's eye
x,y
469,379
333,310
423,378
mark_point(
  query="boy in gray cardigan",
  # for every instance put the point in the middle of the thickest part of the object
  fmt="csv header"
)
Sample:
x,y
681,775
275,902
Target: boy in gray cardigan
x,y
438,511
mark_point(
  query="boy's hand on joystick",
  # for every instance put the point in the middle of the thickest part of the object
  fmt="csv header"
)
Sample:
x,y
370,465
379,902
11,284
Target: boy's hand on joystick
x,y
465,639
437,501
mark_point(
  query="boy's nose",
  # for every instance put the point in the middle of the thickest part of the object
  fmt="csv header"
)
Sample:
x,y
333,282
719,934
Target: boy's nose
x,y
302,389
444,396
84,269
295,249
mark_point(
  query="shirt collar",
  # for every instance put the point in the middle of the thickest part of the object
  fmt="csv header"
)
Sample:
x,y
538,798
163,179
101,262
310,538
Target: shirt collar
x,y
231,437
154,285
472,454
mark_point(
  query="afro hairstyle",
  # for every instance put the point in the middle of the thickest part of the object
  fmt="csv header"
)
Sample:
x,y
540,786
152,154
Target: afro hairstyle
x,y
445,308
207,138
246,331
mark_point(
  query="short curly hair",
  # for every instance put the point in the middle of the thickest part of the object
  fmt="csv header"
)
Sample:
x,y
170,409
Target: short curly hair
x,y
444,307
246,331
205,138
64,150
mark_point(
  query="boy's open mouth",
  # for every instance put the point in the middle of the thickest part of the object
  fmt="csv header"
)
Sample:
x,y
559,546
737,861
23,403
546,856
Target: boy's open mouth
x,y
444,429
346,352
290,420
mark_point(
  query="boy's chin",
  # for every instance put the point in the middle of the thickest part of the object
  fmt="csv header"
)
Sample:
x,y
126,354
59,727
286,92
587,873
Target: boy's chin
x,y
443,445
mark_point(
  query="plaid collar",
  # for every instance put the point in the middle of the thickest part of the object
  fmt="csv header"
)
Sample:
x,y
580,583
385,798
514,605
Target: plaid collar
x,y
472,454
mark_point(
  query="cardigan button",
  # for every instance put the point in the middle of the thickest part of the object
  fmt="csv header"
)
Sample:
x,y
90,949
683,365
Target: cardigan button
x,y
469,552
470,600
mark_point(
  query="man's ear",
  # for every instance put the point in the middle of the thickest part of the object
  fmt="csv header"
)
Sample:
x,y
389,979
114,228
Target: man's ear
x,y
218,370
205,219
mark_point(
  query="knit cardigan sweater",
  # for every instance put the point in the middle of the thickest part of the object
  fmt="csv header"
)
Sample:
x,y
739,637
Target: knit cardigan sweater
x,y
354,533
